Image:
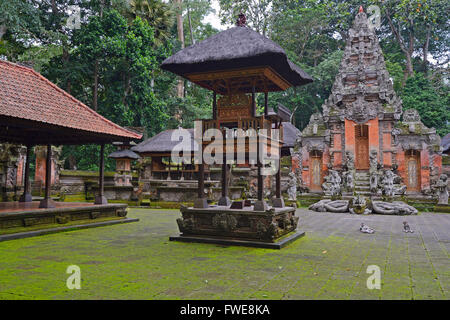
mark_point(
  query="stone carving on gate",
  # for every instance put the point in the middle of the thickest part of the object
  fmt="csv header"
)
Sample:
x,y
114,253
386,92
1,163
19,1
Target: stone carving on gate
x,y
393,208
389,189
361,111
358,205
332,184
329,205
349,174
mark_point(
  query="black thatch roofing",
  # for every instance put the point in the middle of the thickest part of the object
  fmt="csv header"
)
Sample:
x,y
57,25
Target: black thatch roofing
x,y
289,134
445,143
124,154
162,143
238,47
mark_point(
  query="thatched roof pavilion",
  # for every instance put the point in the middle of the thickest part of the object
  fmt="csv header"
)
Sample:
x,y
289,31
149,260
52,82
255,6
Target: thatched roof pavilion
x,y
231,50
35,111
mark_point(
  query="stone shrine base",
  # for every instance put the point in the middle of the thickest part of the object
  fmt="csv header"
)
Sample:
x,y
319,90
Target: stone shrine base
x,y
26,219
273,228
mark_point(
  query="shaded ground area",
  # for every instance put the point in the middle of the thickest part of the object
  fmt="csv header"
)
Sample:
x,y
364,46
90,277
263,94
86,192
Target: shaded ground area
x,y
136,261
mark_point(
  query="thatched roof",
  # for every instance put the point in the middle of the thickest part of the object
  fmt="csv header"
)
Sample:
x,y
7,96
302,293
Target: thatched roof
x,y
162,143
445,143
235,48
124,154
289,134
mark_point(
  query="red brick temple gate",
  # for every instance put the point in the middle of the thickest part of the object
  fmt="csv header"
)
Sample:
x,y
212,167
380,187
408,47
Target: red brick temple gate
x,y
364,132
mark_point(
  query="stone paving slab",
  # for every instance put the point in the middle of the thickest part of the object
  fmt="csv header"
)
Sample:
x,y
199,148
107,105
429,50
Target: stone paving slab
x,y
137,261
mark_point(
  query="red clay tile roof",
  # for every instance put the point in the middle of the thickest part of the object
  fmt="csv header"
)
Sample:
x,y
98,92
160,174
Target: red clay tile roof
x,y
26,94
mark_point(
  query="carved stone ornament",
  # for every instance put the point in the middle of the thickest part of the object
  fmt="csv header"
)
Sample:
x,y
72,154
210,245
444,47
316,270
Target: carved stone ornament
x,y
224,222
411,115
393,208
328,205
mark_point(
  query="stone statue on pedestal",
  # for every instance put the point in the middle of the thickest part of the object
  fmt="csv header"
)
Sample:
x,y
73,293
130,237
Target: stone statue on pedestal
x,y
389,190
292,187
442,189
332,184
349,175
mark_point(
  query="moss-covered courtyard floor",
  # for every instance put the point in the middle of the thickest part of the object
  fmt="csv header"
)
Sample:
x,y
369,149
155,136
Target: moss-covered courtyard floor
x,y
137,261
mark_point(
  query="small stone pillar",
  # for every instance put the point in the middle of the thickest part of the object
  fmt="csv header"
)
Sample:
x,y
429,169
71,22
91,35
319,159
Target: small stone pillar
x,y
123,157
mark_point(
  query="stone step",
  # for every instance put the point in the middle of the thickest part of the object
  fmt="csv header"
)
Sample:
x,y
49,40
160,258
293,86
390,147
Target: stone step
x,y
363,193
362,187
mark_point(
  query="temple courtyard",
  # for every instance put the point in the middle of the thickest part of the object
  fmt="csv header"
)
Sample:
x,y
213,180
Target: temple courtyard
x,y
137,261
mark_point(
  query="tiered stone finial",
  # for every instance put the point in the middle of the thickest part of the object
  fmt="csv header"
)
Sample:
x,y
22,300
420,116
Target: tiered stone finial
x,y
362,89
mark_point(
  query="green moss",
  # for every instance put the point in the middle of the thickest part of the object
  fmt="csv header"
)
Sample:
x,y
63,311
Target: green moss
x,y
137,261
56,225
168,204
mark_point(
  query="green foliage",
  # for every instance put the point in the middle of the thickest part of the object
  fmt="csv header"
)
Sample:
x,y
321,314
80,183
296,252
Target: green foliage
x,y
87,157
433,107
122,43
258,13
396,71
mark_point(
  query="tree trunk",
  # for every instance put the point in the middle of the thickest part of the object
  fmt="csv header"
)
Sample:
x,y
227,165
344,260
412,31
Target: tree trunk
x,y
180,86
95,89
190,26
2,30
409,70
425,50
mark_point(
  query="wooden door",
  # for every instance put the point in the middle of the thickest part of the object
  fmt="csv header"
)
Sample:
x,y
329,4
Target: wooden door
x,y
315,171
362,147
412,158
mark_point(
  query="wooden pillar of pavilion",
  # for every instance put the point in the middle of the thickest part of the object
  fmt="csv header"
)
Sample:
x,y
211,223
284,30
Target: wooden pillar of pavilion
x,y
260,204
278,202
100,198
47,202
201,201
214,111
26,196
224,200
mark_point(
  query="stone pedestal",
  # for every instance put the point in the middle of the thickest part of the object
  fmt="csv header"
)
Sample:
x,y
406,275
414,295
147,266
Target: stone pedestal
x,y
278,202
260,205
47,203
100,200
26,197
247,227
224,201
201,203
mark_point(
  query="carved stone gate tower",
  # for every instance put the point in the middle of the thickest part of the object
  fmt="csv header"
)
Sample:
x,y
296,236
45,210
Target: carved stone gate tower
x,y
360,131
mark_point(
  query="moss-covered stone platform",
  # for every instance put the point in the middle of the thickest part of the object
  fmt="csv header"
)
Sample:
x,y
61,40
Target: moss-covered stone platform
x,y
27,218
137,261
273,228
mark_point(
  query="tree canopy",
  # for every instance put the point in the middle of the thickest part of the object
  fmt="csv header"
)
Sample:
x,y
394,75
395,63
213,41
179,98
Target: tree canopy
x,y
111,61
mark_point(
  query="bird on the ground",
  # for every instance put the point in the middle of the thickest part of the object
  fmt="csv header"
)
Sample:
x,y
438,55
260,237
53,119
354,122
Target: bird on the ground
x,y
366,229
406,227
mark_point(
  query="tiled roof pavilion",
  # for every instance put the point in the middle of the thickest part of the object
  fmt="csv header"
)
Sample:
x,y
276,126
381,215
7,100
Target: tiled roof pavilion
x,y
35,111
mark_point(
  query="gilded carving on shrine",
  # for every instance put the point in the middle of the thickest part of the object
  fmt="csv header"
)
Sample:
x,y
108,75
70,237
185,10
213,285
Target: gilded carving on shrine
x,y
234,106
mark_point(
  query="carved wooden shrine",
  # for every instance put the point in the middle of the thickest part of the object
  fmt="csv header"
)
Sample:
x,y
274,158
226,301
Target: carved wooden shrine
x,y
236,64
